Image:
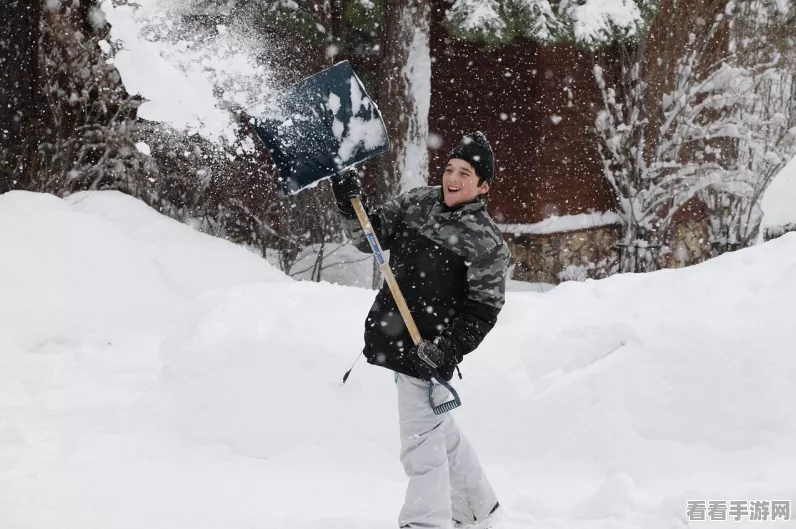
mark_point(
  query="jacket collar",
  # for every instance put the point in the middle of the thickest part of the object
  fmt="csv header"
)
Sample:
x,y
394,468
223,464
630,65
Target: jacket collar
x,y
458,211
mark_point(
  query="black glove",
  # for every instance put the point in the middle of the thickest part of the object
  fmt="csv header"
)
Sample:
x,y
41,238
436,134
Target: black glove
x,y
345,186
427,357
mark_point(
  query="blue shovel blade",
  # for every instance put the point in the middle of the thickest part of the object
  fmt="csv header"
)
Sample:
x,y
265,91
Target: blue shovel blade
x,y
328,123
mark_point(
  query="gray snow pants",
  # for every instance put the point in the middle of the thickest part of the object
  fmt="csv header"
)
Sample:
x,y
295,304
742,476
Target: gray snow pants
x,y
446,481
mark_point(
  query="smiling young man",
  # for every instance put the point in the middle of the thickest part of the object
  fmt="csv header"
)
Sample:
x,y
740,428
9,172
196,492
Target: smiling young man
x,y
450,262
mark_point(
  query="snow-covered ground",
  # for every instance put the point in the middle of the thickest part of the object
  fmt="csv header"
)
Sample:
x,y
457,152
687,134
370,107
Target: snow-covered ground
x,y
152,377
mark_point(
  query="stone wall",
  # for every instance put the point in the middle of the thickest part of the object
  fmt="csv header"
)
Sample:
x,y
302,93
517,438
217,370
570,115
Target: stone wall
x,y
594,254
689,244
556,257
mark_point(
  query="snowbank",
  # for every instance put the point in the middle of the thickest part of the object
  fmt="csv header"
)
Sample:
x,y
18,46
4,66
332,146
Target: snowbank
x,y
779,203
189,261
98,263
641,389
65,274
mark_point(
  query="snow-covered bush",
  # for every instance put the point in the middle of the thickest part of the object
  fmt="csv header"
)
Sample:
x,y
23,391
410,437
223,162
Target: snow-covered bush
x,y
699,119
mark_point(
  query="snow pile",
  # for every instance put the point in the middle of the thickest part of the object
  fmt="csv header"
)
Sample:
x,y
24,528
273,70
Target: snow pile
x,y
89,288
189,261
67,275
100,263
178,69
779,203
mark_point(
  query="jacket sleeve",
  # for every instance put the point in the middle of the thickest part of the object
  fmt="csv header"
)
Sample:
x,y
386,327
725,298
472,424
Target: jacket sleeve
x,y
384,218
486,279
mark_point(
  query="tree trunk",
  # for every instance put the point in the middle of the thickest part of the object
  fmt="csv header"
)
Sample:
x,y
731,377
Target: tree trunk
x,y
405,96
19,90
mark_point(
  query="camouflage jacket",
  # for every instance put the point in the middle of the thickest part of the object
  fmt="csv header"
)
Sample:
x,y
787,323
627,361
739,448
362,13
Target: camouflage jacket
x,y
451,266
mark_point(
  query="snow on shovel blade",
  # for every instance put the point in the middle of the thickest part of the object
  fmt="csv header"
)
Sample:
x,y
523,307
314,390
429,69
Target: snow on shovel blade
x,y
329,123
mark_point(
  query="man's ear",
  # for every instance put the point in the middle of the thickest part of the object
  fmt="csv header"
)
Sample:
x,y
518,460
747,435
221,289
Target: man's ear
x,y
484,189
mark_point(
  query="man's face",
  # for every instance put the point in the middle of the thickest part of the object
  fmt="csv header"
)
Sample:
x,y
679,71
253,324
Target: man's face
x,y
460,183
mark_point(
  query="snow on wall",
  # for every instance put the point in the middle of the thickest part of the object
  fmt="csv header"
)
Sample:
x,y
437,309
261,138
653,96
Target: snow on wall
x,y
556,224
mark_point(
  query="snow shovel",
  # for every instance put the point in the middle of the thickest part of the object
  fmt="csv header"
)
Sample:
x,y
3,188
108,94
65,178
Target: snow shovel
x,y
329,123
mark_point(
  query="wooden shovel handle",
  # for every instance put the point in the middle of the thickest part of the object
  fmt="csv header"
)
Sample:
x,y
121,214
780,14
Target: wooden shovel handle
x,y
386,270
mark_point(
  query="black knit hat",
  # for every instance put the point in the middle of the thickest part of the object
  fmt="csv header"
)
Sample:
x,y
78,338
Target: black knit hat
x,y
475,149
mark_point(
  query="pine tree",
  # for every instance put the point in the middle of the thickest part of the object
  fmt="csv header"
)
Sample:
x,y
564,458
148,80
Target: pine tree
x,y
591,23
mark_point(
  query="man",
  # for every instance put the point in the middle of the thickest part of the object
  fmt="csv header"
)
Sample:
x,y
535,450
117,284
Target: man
x,y
450,262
